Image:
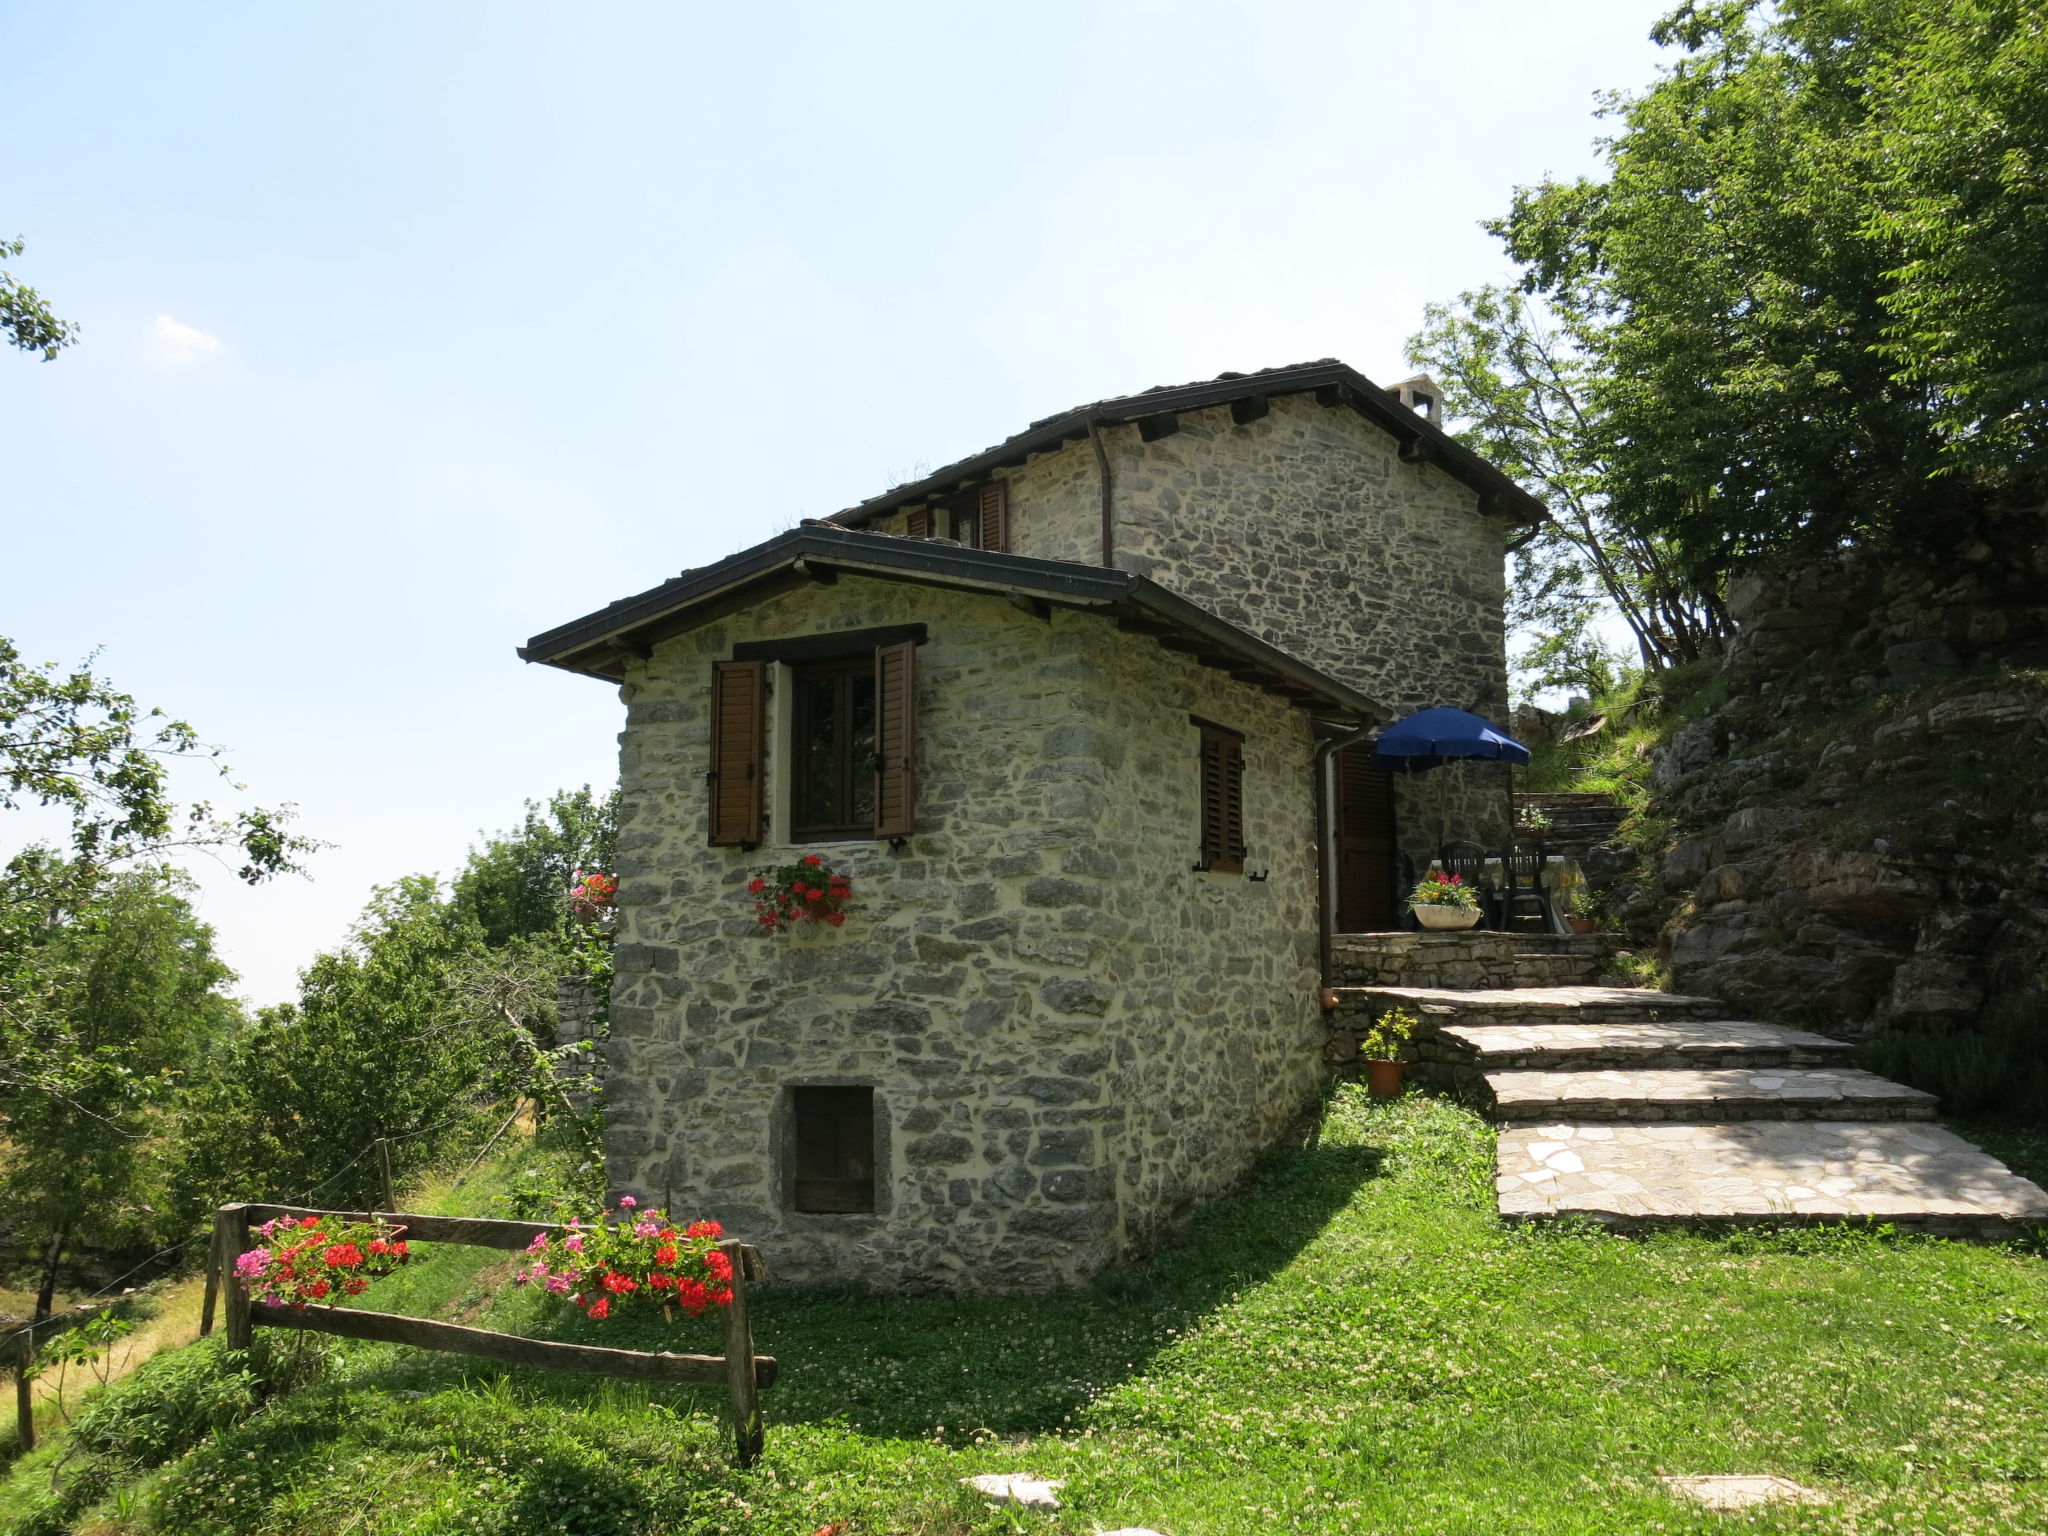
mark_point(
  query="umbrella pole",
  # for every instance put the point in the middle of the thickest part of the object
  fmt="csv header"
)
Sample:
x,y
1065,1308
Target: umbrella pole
x,y
1511,804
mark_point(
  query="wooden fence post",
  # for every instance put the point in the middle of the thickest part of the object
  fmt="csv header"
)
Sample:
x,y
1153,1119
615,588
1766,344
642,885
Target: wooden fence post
x,y
214,1265
231,1238
748,1431
384,1173
25,1390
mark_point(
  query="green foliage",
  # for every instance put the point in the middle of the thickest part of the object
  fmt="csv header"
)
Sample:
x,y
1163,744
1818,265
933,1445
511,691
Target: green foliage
x,y
373,1048
1437,889
1390,1031
513,886
129,1002
1998,1067
1810,279
25,319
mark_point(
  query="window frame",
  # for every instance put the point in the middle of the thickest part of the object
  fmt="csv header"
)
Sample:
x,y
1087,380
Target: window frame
x,y
846,673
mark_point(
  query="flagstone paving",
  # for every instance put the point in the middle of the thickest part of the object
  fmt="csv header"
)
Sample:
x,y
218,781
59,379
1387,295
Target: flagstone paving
x,y
1650,1107
1921,1177
1719,1093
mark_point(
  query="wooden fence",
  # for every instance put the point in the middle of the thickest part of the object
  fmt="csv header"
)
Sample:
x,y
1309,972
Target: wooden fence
x,y
744,1373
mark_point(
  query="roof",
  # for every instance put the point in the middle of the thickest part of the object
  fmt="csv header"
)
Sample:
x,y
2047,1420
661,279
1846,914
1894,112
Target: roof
x,y
599,644
1155,412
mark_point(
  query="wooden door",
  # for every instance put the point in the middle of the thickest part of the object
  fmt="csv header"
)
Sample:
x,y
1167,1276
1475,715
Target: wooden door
x,y
1367,862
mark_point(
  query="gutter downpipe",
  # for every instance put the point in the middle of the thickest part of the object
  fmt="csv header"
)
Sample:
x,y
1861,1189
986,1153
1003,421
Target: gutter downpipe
x,y
1326,864
1108,497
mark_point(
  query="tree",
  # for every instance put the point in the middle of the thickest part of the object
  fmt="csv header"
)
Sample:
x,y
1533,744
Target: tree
x,y
1521,379
132,1000
73,742
514,885
1791,336
27,321
373,1048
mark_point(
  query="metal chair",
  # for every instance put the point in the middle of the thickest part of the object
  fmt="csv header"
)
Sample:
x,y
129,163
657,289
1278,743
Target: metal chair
x,y
1525,869
1468,862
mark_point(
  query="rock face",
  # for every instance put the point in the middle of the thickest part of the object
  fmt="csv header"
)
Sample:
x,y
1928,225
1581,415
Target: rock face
x,y
1856,834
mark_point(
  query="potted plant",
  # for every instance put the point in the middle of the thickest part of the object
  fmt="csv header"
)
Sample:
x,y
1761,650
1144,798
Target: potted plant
x,y
1444,901
1381,1049
807,892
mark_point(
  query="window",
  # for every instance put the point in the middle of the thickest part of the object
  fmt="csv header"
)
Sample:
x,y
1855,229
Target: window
x,y
978,517
833,1131
1222,799
850,763
832,751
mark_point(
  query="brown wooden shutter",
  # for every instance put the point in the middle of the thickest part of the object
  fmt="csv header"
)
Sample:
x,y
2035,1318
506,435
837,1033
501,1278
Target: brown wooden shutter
x,y
739,717
1367,854
895,739
918,523
1222,808
992,516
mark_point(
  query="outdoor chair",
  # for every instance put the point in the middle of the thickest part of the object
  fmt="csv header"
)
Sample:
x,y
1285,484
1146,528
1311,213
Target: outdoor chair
x,y
1526,890
1468,862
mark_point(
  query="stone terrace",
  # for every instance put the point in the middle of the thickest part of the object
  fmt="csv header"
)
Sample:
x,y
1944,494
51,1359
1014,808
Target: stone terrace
x,y
1636,1107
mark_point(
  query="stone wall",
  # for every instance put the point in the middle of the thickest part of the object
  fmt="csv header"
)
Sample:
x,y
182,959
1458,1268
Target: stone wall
x,y
1305,528
1476,957
1073,1037
1857,840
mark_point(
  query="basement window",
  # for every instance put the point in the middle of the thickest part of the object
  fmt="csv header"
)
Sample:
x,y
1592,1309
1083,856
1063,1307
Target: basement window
x,y
834,1134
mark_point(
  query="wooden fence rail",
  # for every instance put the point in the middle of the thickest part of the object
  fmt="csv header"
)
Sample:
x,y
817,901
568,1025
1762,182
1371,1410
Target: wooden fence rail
x,y
744,1373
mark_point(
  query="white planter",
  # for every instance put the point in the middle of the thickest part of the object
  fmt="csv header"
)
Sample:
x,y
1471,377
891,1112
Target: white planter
x,y
1442,918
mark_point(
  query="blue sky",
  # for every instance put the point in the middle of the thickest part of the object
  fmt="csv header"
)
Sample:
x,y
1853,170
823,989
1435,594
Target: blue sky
x,y
411,330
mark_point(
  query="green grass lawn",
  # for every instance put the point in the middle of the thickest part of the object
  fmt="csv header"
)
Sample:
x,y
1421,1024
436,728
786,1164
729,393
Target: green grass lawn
x,y
1352,1343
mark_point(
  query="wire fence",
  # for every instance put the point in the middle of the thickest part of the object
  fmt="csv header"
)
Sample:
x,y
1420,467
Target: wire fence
x,y
8,1338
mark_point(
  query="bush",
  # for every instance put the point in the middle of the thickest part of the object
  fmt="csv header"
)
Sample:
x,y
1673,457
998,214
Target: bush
x,y
170,1404
1998,1068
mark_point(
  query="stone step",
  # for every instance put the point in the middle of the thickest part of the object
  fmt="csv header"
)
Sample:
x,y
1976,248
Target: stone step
x,y
1537,1005
1591,1047
1920,1177
1713,1093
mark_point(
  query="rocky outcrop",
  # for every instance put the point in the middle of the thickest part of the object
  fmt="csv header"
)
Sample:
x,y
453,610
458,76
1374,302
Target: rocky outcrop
x,y
1854,836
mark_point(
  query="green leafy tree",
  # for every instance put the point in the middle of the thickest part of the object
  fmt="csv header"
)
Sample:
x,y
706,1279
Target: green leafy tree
x,y
1521,383
132,1001
515,884
25,318
373,1048
1811,276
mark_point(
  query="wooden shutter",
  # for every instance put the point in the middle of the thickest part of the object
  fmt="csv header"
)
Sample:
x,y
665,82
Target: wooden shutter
x,y
895,739
1222,800
992,516
918,523
1367,856
739,716
835,1148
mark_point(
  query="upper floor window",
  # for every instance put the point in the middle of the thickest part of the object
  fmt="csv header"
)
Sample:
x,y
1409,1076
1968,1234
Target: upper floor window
x,y
978,517
1222,799
832,751
849,761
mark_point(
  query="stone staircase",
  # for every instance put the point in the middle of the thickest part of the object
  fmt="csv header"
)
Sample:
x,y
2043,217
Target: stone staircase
x,y
1579,823
1633,1107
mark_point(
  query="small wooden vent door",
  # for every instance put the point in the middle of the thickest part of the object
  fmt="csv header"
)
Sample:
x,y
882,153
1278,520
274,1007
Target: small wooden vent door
x,y
834,1132
1367,861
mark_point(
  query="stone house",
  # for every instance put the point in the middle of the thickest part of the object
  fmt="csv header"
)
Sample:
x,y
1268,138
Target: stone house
x,y
1073,714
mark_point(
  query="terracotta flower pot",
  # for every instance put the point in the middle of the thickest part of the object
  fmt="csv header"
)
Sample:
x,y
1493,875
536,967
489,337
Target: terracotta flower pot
x,y
1384,1078
1580,924
1445,917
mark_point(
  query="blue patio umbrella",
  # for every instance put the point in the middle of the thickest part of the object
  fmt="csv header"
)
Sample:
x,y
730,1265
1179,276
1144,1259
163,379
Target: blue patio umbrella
x,y
1432,737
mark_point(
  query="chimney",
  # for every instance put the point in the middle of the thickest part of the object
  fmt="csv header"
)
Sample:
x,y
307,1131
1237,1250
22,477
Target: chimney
x,y
1422,396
